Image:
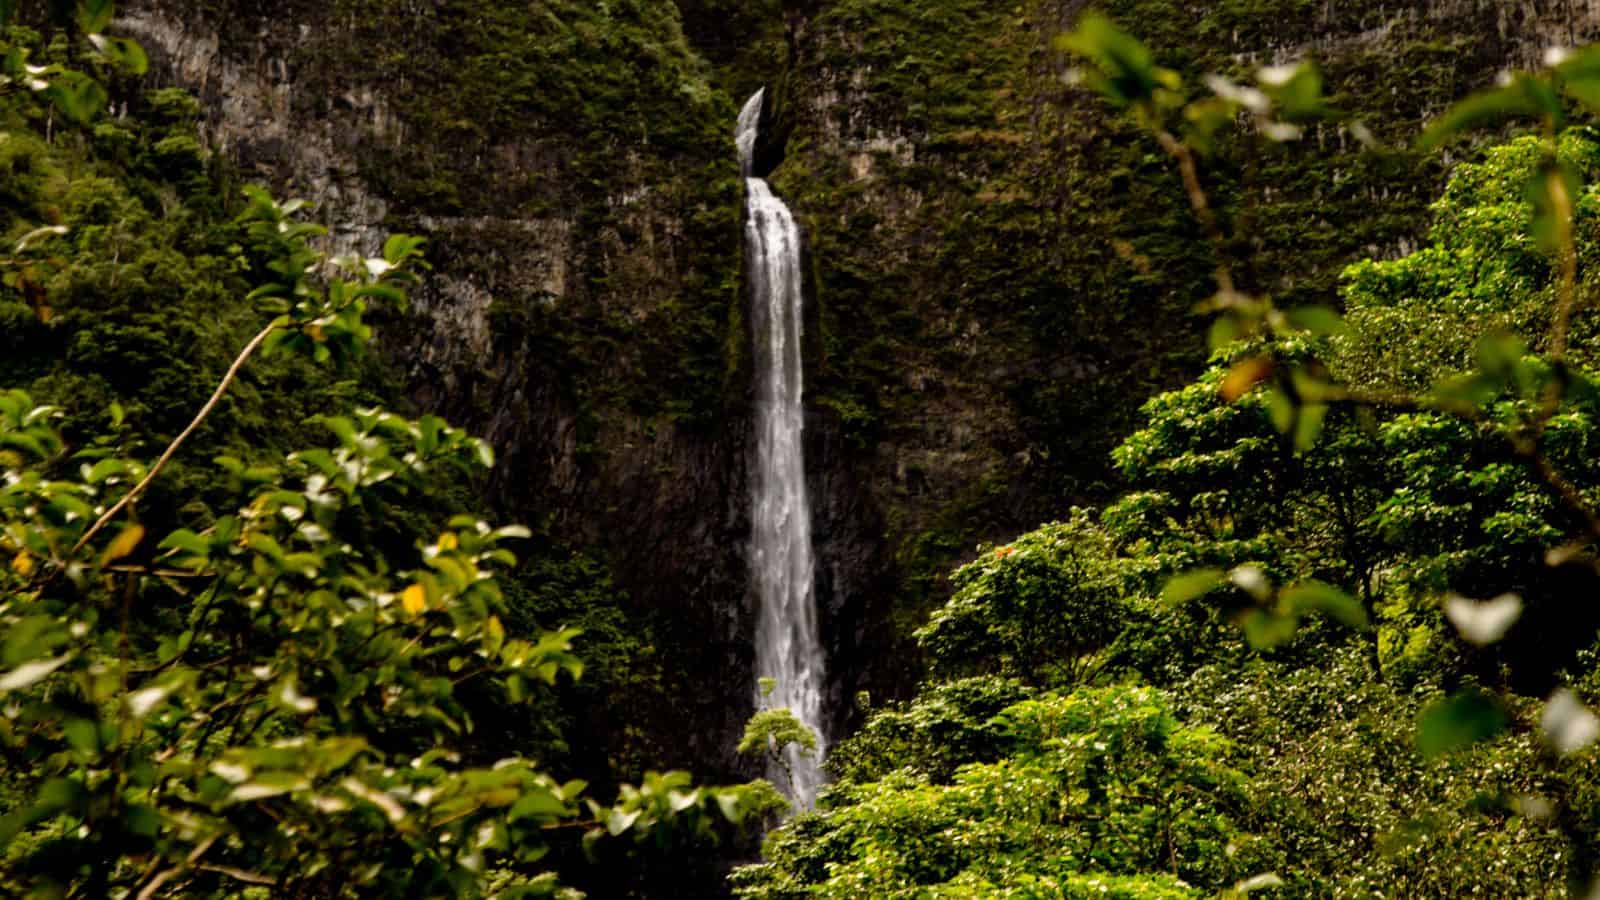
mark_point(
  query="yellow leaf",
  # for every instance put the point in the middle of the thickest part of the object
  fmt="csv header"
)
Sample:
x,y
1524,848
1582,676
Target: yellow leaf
x,y
1244,376
22,564
123,543
447,541
414,599
316,333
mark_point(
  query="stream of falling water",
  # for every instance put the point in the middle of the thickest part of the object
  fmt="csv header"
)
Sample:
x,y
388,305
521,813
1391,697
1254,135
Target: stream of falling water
x,y
787,647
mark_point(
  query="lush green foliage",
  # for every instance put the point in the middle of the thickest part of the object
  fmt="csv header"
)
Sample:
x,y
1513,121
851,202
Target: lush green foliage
x,y
1044,608
274,686
288,672
1323,487
296,675
1097,781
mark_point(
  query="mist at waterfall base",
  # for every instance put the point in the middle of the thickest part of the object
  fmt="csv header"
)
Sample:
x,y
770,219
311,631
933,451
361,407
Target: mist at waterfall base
x,y
788,649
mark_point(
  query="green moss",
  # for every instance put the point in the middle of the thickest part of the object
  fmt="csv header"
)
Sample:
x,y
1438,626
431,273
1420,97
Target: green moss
x,y
974,217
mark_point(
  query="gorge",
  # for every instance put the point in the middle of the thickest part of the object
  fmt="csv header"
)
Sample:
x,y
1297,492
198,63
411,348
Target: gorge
x,y
900,413
584,308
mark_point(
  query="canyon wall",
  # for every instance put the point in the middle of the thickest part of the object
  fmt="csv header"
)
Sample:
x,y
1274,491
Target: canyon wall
x,y
999,272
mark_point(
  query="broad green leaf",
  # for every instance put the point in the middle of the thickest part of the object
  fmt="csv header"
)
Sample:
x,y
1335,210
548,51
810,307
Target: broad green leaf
x,y
1524,96
1186,586
1585,90
732,809
1127,70
83,735
1224,331
618,821
1500,355
678,801
106,468
494,634
400,247
1317,320
1458,721
1296,88
1476,389
1553,193
1265,629
123,52
94,15
187,541
58,795
537,803
1308,426
141,820
1319,596
79,97
1578,75
391,808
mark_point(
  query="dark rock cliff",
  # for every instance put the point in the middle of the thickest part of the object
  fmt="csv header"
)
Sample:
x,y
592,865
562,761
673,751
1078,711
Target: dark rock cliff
x,y
1000,273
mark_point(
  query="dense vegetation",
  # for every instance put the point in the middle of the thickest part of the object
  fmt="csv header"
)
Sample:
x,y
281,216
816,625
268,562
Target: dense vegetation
x,y
263,675
1254,669
1326,635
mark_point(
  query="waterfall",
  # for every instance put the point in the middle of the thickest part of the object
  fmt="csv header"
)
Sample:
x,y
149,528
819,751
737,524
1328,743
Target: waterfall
x,y
787,646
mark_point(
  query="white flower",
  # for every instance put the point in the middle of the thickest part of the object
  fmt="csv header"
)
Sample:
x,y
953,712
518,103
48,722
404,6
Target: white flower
x,y
1486,622
1567,724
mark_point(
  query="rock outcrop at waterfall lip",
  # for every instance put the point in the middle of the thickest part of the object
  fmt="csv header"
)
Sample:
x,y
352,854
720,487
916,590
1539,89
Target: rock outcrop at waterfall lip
x,y
771,135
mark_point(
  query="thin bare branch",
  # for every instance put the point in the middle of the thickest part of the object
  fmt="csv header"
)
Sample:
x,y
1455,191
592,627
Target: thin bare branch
x,y
172,448
1190,172
238,874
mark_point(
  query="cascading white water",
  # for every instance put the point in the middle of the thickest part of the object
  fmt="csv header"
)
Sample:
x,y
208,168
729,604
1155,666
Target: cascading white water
x,y
787,646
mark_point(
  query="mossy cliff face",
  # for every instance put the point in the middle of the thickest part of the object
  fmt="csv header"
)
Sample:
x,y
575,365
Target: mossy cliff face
x,y
1000,272
575,176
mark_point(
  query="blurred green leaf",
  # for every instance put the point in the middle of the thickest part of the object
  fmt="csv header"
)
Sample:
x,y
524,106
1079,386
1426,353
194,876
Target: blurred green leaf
x,y
94,15
1296,89
1186,586
1458,721
1126,71
1319,596
79,97
1524,96
31,673
1553,193
1318,320
122,52
1308,426
1264,629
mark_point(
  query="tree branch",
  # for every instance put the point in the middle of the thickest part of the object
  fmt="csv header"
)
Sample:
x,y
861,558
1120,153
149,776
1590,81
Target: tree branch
x,y
172,448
